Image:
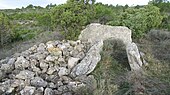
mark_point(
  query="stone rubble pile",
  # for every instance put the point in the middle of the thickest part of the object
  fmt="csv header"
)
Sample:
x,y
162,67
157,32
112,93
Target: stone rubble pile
x,y
54,68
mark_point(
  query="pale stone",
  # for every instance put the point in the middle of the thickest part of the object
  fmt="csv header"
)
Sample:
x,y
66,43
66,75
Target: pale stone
x,y
95,32
72,62
133,56
88,64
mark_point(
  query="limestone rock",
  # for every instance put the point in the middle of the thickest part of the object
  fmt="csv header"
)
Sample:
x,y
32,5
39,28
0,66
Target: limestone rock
x,y
51,58
41,48
52,69
48,91
21,62
39,91
33,49
7,68
133,56
72,62
88,64
74,86
28,90
25,74
38,82
95,32
1,75
11,61
63,71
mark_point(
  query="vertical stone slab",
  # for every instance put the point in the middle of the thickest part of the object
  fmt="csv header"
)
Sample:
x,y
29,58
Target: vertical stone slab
x,y
133,56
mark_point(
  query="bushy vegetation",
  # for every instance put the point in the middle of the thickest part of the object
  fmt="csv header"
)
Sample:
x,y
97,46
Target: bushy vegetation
x,y
4,28
139,20
70,18
112,72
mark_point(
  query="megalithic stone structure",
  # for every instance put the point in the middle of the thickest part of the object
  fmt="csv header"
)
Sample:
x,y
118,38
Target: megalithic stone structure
x,y
95,32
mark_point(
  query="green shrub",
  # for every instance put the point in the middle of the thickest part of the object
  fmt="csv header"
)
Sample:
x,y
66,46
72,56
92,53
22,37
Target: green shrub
x,y
139,20
4,29
70,17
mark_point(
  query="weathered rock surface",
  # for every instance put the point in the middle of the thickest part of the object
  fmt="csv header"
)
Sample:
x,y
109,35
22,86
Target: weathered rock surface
x,y
133,56
95,32
88,64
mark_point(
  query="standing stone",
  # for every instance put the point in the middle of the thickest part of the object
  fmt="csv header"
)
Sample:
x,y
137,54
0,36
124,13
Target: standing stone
x,y
133,56
88,64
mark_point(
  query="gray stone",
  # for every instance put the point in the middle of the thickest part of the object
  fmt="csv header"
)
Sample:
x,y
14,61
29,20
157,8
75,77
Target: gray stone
x,y
38,56
17,83
52,69
61,60
48,91
1,75
43,65
63,71
41,47
95,32
11,61
75,85
38,82
74,53
67,93
88,64
25,74
79,47
133,57
33,49
80,55
7,68
50,44
10,90
143,58
28,90
56,92
66,79
21,62
5,85
63,88
39,91
72,62
51,85
51,58
4,61
35,68
59,83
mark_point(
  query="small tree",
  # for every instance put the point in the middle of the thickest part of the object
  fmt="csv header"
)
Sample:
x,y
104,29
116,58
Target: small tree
x,y
104,13
72,16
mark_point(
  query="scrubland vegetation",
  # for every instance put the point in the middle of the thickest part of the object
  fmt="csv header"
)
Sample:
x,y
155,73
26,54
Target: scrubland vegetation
x,y
150,25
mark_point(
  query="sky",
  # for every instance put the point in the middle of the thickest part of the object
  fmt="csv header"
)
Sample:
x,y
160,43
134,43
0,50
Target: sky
x,y
12,4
